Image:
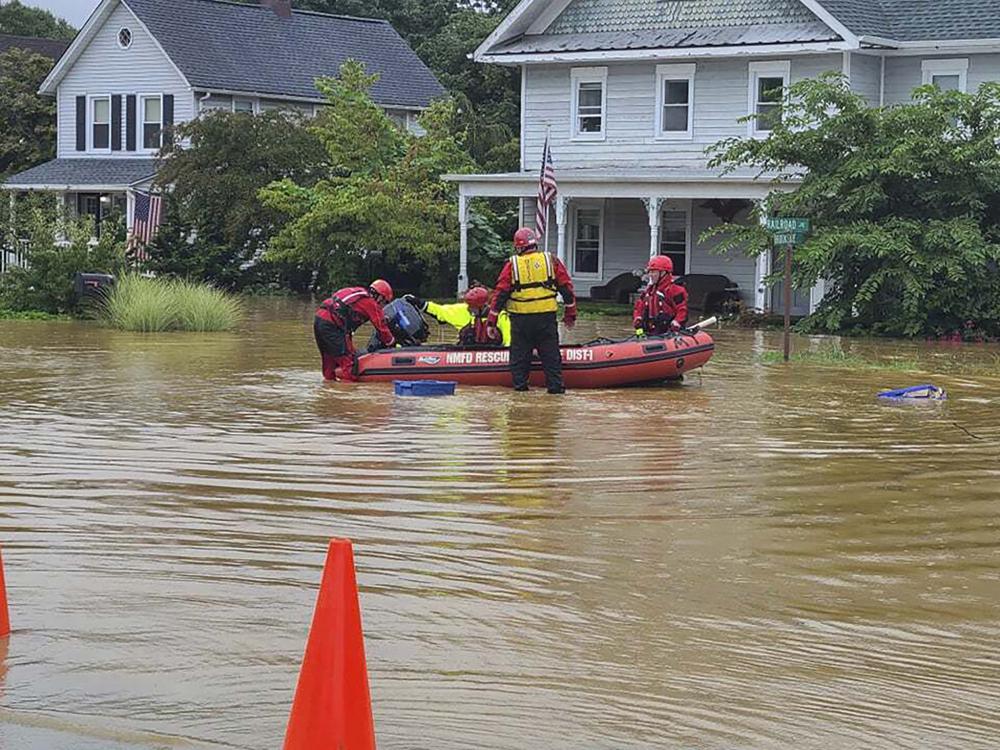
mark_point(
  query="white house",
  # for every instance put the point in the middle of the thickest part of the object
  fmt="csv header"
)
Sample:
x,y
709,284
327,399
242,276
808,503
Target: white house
x,y
138,68
631,92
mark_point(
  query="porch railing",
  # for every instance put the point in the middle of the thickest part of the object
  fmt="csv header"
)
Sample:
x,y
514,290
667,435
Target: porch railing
x,y
14,255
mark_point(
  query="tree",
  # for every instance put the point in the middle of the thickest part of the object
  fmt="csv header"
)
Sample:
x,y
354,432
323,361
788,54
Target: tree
x,y
382,203
905,203
21,20
27,120
216,227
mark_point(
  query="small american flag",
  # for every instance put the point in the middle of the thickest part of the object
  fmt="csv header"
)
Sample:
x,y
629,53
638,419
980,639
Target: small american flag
x,y
548,189
146,220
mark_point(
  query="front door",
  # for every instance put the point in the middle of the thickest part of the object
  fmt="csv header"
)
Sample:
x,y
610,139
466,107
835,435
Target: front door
x,y
99,206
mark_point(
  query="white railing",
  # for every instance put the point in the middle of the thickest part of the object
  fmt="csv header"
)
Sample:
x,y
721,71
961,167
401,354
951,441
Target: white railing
x,y
14,256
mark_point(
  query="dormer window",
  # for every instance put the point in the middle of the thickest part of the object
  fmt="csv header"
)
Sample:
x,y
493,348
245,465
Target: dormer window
x,y
124,37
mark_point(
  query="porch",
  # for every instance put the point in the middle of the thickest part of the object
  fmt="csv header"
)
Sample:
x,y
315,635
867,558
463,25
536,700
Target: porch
x,y
605,223
87,187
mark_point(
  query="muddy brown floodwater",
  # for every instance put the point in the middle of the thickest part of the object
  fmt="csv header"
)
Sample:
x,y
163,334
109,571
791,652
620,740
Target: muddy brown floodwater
x,y
762,558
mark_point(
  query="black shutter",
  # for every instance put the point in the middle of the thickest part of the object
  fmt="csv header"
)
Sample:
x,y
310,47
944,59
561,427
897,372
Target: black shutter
x,y
130,122
81,123
116,122
168,121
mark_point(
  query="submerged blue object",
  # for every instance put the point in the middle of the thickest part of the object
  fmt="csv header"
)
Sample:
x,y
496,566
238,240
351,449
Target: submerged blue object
x,y
425,387
916,392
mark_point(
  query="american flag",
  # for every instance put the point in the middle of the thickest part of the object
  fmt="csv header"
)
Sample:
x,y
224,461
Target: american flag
x,y
547,190
146,220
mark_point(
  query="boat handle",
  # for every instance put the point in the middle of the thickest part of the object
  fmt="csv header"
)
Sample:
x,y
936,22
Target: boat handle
x,y
400,361
653,348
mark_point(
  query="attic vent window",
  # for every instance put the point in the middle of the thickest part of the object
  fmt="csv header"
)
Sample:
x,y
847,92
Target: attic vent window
x,y
124,37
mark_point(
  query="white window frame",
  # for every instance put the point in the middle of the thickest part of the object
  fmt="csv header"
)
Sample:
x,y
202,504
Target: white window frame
x,y
684,207
680,72
140,123
773,69
953,67
91,98
131,37
587,206
587,75
254,103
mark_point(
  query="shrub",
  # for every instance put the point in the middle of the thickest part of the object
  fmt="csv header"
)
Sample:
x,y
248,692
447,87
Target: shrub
x,y
46,283
151,305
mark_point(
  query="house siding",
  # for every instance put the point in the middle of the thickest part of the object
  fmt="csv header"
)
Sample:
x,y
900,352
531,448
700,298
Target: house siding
x,y
720,99
903,74
105,68
866,77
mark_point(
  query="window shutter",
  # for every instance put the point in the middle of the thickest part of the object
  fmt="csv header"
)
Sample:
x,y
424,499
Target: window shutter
x,y
168,121
81,123
116,122
130,122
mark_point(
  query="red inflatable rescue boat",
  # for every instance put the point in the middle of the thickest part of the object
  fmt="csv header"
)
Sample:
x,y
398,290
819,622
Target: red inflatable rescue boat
x,y
600,364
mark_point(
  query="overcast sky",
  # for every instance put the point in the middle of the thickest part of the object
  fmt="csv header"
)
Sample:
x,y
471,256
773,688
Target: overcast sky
x,y
74,11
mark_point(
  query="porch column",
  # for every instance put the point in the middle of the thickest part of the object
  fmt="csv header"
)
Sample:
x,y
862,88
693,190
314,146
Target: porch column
x,y
762,270
561,202
463,244
653,206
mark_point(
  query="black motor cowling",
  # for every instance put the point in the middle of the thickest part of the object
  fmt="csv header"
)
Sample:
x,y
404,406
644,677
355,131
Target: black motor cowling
x,y
406,324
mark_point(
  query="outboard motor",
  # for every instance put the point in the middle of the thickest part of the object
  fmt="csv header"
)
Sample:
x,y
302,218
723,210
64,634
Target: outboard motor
x,y
406,324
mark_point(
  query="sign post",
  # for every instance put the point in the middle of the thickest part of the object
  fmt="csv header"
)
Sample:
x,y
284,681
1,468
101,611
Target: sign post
x,y
788,232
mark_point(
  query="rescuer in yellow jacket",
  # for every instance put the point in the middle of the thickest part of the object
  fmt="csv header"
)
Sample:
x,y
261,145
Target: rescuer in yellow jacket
x,y
527,289
469,317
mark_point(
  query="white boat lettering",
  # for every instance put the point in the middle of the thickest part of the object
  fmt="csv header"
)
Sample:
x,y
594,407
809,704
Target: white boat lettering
x,y
578,355
458,358
497,357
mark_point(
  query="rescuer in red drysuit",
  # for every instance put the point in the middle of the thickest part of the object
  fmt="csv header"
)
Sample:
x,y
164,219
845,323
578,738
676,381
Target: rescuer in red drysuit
x,y
663,305
340,316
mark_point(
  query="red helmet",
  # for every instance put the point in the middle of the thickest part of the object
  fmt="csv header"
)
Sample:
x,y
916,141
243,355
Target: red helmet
x,y
661,263
524,239
477,297
382,289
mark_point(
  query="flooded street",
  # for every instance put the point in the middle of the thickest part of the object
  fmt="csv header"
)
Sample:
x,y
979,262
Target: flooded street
x,y
762,558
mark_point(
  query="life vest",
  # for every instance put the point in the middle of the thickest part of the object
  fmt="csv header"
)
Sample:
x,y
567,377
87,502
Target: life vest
x,y
534,284
476,332
341,307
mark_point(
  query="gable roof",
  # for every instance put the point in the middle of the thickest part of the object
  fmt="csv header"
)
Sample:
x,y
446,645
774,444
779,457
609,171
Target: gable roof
x,y
226,46
52,48
601,25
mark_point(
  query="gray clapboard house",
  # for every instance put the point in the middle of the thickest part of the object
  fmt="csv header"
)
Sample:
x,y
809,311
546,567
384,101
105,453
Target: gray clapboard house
x,y
631,92
138,68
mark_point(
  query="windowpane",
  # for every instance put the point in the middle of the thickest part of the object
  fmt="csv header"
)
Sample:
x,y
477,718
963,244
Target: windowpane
x,y
675,92
770,89
768,116
102,111
947,82
153,111
243,105
674,239
675,119
590,107
588,241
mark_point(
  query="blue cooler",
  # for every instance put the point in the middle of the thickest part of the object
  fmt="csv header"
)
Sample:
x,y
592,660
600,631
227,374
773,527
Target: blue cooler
x,y
425,387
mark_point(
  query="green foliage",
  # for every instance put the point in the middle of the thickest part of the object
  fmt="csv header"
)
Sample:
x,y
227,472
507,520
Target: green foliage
x,y
215,226
905,202
46,283
27,120
381,200
20,20
152,305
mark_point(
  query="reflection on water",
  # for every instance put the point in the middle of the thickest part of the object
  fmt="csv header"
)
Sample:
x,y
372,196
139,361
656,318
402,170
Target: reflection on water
x,y
764,557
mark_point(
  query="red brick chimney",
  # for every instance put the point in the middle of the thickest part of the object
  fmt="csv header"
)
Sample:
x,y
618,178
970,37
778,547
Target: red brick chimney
x,y
283,8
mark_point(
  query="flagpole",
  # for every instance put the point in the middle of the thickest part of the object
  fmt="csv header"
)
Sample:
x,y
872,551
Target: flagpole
x,y
545,158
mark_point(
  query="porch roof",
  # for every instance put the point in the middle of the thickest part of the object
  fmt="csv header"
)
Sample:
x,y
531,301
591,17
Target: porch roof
x,y
84,174
666,182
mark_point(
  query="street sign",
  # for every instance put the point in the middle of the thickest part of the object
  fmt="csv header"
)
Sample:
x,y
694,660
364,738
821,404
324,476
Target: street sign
x,y
789,238
785,225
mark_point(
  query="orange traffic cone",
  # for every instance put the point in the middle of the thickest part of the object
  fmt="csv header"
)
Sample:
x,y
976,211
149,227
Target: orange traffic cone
x,y
332,709
4,616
